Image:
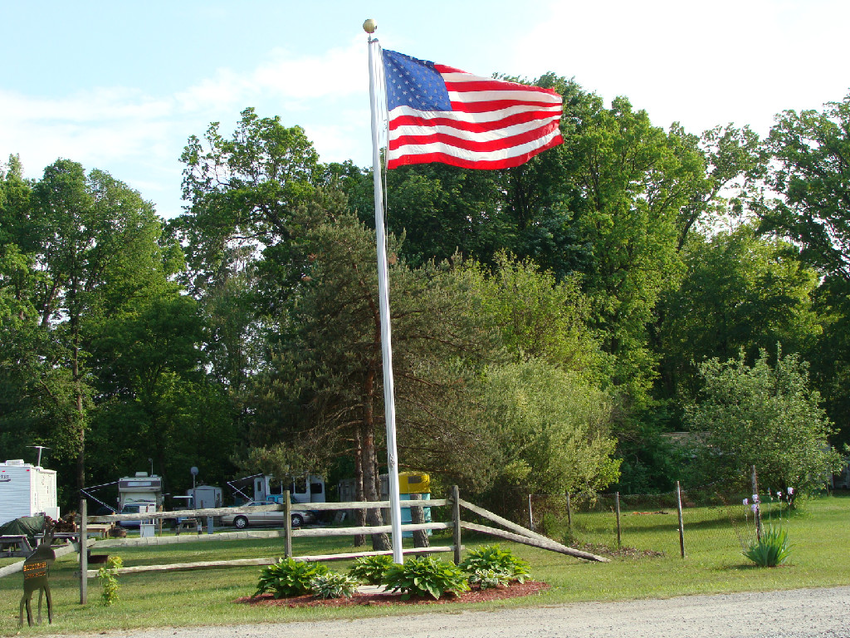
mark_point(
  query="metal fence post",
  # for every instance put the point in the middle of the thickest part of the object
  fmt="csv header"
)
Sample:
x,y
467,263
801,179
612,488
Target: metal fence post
x,y
84,556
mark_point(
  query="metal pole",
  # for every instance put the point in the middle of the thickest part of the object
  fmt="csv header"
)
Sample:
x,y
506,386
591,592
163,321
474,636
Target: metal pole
x,y
384,304
530,515
84,556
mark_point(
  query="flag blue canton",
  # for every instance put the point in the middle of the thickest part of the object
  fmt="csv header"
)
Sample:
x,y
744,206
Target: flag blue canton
x,y
414,83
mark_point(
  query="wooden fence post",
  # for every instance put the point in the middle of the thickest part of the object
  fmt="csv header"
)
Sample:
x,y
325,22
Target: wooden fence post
x,y
456,522
617,507
417,515
757,504
287,524
681,523
84,556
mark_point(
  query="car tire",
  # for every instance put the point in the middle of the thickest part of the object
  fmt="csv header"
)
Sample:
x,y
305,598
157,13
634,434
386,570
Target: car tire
x,y
297,520
240,522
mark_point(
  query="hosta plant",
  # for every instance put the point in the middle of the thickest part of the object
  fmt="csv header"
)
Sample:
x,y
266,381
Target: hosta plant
x,y
492,562
370,569
487,578
425,575
288,577
333,585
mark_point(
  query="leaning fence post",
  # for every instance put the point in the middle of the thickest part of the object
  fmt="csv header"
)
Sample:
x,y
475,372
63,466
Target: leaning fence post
x,y
456,523
617,507
681,524
287,523
84,556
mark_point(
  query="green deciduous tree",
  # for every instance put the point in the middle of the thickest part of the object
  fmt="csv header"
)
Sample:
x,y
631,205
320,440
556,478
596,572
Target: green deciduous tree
x,y
811,153
740,292
765,416
550,431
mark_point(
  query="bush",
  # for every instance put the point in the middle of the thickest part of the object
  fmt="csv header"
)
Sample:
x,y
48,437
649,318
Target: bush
x,y
288,577
425,575
491,561
771,549
333,585
108,580
371,569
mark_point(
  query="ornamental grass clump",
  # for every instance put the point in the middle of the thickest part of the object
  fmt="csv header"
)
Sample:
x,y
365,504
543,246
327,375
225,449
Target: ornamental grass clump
x,y
370,569
770,546
425,576
288,577
334,585
771,549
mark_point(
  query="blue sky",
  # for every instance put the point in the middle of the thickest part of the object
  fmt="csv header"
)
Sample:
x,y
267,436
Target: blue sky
x,y
120,86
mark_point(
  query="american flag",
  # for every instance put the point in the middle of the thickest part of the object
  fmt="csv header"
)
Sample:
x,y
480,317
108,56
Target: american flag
x,y
441,114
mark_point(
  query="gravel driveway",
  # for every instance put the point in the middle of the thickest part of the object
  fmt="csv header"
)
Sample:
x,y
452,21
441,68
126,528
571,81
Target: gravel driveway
x,y
801,613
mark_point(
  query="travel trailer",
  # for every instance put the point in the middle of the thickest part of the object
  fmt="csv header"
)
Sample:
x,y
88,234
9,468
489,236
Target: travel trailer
x,y
26,490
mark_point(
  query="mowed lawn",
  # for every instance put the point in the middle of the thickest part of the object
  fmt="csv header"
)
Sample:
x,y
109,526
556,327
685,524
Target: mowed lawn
x,y
649,566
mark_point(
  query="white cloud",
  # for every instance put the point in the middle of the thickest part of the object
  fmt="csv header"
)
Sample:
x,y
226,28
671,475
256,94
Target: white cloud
x,y
703,64
139,137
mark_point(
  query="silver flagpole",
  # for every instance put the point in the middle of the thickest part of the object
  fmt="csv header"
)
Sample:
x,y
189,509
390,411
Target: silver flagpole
x,y
384,302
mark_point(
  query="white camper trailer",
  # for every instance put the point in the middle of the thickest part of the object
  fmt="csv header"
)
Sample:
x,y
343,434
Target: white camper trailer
x,y
26,490
141,488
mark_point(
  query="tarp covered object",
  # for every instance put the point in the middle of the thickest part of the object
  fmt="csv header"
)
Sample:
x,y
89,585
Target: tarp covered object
x,y
27,526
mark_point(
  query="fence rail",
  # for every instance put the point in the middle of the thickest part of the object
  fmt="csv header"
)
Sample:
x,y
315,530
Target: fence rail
x,y
516,533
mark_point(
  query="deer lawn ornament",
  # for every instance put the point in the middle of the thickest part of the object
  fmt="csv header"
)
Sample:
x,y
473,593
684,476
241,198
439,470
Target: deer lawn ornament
x,y
36,568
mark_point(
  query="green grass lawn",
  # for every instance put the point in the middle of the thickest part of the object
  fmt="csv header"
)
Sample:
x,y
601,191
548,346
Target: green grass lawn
x,y
820,535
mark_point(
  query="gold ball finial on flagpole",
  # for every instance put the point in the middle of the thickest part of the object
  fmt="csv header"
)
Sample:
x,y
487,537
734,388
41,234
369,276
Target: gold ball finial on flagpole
x,y
370,26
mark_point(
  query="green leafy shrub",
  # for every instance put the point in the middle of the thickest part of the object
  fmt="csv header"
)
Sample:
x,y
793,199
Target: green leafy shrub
x,y
333,585
771,549
109,581
488,578
288,577
370,569
492,562
425,575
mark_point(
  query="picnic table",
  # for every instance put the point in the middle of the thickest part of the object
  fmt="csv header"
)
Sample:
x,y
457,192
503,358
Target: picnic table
x,y
15,545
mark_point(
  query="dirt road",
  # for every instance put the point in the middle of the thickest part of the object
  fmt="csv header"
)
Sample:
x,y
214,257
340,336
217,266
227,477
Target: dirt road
x,y
802,613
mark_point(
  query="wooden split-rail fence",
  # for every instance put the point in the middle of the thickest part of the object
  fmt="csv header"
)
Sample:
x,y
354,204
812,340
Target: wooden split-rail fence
x,y
509,531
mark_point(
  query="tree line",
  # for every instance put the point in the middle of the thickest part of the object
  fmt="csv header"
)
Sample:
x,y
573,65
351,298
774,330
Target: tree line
x,y
552,323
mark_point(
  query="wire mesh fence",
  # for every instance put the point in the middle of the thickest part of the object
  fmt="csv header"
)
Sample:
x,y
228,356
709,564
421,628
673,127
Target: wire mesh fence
x,y
711,520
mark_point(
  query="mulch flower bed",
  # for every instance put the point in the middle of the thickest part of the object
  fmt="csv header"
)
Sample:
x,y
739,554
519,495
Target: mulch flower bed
x,y
514,590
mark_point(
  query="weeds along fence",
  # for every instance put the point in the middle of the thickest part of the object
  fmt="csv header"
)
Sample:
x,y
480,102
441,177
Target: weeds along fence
x,y
675,523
